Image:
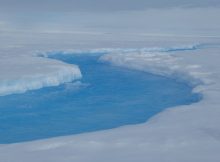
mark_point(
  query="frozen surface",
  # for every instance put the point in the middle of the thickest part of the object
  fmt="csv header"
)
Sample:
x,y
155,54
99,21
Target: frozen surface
x,y
21,73
101,51
106,97
185,134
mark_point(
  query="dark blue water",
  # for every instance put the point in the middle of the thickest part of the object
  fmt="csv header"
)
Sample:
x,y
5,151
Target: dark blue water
x,y
107,97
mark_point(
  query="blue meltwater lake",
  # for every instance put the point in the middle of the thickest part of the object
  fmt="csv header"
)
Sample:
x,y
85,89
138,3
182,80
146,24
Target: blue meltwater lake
x,y
106,97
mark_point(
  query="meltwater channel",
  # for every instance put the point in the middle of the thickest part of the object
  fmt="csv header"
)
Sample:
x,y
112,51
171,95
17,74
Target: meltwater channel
x,y
107,97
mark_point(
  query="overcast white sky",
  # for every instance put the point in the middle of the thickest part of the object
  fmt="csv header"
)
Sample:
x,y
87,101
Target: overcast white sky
x,y
97,5
110,15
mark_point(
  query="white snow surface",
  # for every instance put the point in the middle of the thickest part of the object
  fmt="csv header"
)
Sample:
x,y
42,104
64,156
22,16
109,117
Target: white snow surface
x,y
101,51
189,133
22,73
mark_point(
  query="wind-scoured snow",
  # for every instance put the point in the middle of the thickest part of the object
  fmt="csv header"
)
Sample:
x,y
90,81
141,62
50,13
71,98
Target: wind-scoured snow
x,y
23,73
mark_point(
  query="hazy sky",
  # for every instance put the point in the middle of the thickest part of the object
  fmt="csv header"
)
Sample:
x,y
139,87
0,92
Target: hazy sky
x,y
110,15
97,5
